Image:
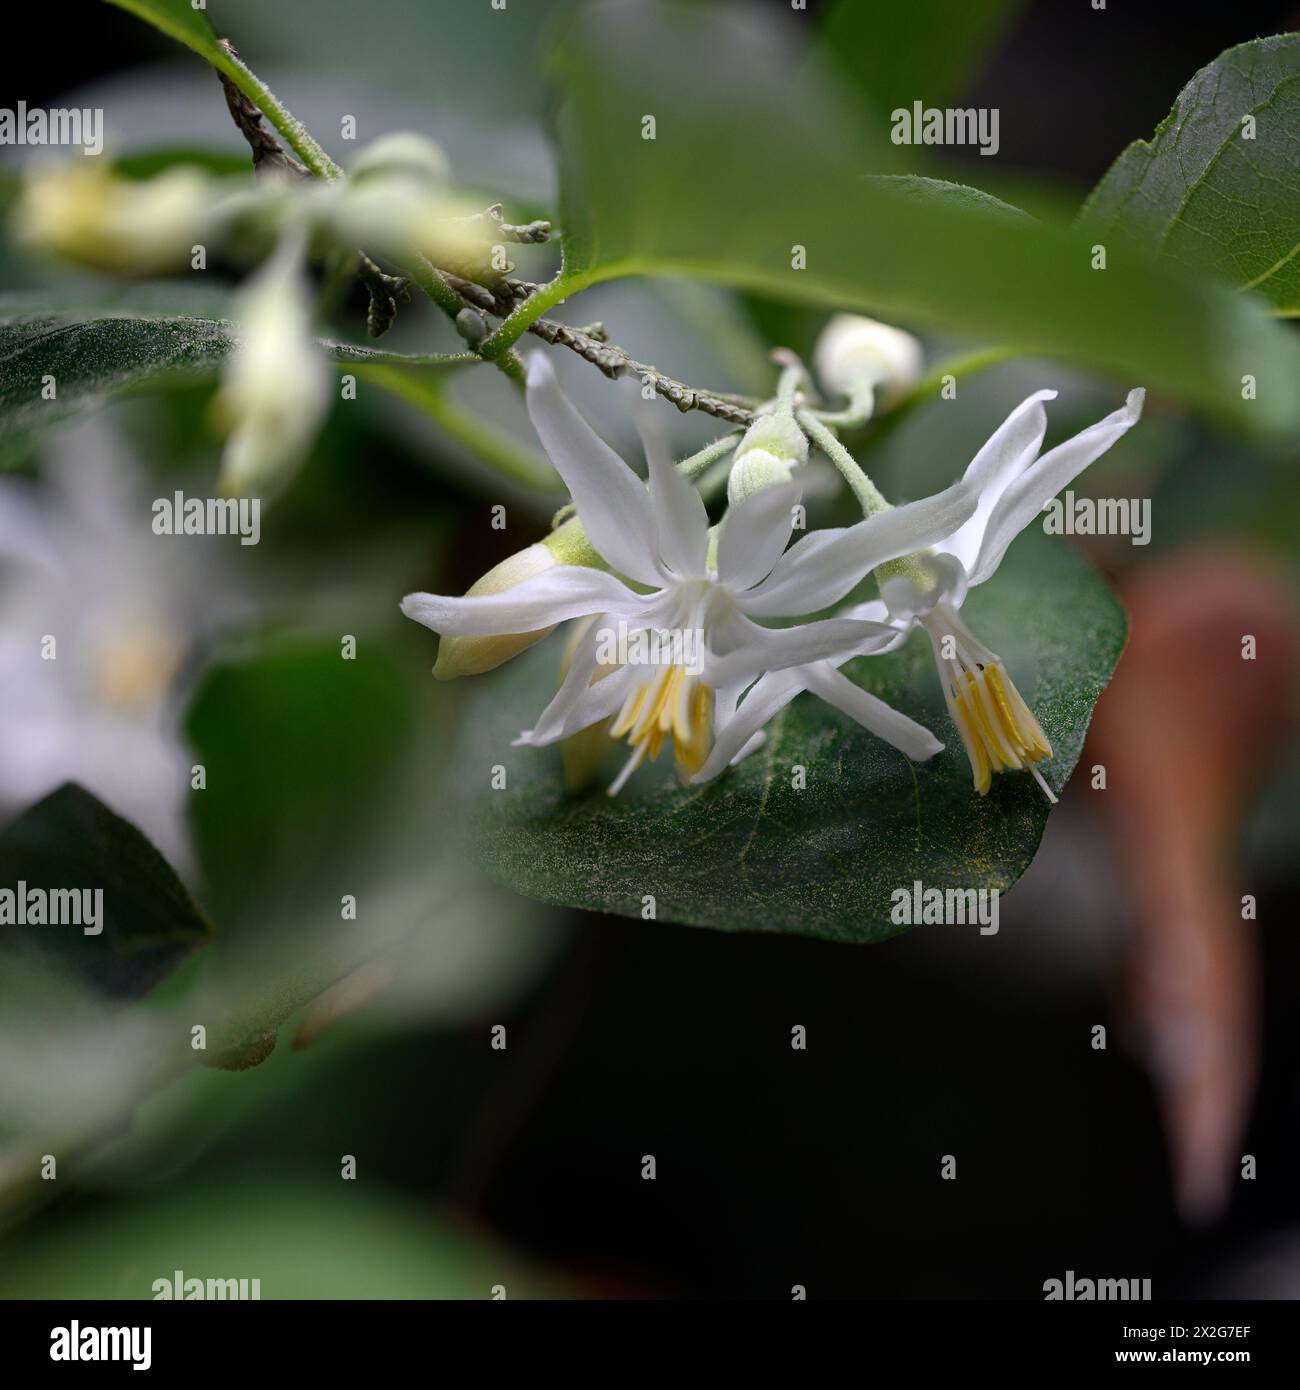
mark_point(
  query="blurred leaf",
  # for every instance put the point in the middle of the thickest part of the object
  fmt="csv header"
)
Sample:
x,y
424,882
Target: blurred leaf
x,y
149,924
1200,194
748,852
752,160
94,355
148,164
303,1237
925,50
507,456
297,741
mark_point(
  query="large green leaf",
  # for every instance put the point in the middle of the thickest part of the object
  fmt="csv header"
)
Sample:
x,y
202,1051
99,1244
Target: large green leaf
x,y
924,50
749,851
752,158
149,923
1211,190
94,354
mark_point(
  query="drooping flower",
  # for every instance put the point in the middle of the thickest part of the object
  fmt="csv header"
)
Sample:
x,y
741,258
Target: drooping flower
x,y
99,619
1011,484
692,581
275,385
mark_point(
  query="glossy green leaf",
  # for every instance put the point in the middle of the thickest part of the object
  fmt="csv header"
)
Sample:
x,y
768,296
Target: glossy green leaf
x,y
750,851
1217,188
757,167
149,922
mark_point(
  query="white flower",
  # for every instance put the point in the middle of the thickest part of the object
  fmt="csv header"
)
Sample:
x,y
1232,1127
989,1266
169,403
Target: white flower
x,y
275,385
689,581
80,564
1010,484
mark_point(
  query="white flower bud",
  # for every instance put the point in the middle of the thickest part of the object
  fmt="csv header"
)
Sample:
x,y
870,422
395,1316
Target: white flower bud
x,y
856,354
394,215
772,448
471,656
275,386
86,213
402,152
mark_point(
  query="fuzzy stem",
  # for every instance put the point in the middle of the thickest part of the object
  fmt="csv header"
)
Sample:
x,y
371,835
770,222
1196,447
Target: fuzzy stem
x,y
868,495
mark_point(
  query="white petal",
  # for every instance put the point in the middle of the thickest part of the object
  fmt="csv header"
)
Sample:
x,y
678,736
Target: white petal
x,y
769,696
872,713
773,649
820,569
582,707
569,591
1011,448
754,533
680,519
1025,498
568,711
611,500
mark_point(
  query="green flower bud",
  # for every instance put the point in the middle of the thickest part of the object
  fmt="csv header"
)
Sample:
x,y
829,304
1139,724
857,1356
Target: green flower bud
x,y
772,448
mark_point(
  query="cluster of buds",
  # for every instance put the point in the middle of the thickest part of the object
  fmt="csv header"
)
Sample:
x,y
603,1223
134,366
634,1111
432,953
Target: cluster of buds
x,y
397,201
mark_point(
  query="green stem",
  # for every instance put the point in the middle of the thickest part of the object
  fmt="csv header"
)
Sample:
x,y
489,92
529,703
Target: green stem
x,y
346,353
868,495
436,285
295,134
494,447
528,311
929,387
698,463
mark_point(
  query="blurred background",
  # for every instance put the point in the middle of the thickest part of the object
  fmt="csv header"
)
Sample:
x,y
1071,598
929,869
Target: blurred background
x,y
522,1167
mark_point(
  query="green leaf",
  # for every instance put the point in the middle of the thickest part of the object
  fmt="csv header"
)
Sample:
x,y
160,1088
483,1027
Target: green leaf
x,y
1205,195
181,21
178,19
925,50
751,160
302,1236
149,922
748,851
95,354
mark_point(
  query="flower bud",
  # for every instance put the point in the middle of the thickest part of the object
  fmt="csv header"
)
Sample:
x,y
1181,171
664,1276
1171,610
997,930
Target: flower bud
x,y
402,152
471,656
772,448
87,214
275,385
855,355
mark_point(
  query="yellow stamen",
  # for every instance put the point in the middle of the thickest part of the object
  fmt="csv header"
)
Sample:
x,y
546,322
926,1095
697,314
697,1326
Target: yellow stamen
x,y
996,725
671,702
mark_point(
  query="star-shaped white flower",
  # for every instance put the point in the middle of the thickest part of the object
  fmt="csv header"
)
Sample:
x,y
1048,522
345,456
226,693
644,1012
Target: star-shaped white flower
x,y
689,579
1010,484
